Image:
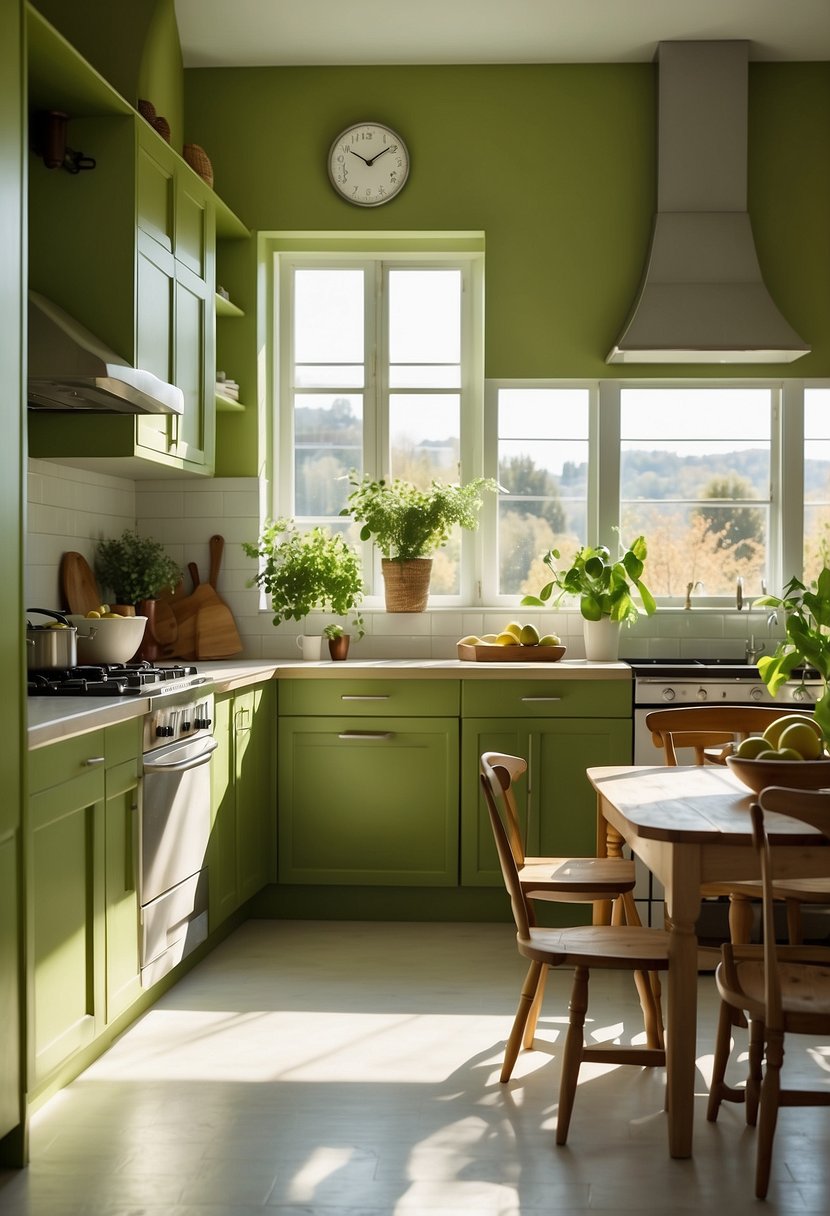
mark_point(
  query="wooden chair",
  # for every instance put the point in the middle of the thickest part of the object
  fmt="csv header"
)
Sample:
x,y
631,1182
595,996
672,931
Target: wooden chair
x,y
628,947
707,729
575,880
783,990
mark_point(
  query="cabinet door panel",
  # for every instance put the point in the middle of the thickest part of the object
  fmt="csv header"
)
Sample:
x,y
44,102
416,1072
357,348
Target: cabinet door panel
x,y
255,745
121,894
190,362
222,852
154,313
479,860
66,917
10,1080
155,200
192,226
364,804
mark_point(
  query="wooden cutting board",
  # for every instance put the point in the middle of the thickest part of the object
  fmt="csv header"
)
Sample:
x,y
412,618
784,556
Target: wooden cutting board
x,y
79,589
216,634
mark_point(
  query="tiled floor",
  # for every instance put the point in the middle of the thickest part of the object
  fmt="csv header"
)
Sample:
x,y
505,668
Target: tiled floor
x,y
330,1069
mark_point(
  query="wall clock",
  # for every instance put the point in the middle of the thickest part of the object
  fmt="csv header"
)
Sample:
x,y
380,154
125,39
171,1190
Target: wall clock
x,y
368,164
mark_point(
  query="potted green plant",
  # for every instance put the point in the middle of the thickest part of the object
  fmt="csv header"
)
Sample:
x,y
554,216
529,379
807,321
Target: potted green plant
x,y
605,589
807,641
134,568
408,525
302,571
338,641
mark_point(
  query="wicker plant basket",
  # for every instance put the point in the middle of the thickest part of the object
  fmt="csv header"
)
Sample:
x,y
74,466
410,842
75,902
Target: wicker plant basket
x,y
199,162
406,584
146,109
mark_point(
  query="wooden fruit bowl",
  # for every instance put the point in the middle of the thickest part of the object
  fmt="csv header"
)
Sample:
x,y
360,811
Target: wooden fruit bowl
x,y
796,774
485,653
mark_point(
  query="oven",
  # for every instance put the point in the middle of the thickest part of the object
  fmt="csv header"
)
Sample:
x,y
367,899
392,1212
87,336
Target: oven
x,y
174,830
173,821
661,683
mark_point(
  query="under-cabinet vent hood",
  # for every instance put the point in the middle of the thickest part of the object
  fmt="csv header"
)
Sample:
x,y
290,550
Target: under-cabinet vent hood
x,y
69,369
702,298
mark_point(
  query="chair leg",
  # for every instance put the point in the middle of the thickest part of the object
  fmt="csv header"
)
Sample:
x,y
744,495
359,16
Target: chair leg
x,y
740,919
572,1055
651,1003
757,1035
719,1091
794,926
768,1117
528,994
535,1010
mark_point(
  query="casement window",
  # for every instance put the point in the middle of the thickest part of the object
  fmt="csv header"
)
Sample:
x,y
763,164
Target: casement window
x,y
816,540
380,372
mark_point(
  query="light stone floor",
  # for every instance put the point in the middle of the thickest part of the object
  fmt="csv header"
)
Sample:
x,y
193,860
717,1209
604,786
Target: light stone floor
x,y
318,1069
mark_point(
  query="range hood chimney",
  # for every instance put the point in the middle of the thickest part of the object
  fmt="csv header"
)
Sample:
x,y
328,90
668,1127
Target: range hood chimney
x,y
69,369
702,298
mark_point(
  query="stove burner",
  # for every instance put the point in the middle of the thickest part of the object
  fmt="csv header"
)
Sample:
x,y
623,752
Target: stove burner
x,y
107,680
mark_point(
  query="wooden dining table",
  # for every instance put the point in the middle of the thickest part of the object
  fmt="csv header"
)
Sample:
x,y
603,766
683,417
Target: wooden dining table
x,y
690,825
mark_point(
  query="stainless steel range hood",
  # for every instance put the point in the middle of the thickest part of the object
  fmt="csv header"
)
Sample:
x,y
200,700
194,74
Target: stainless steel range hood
x,y
702,298
69,369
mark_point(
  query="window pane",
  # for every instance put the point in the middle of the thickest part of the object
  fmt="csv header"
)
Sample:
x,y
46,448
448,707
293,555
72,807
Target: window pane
x,y
328,316
694,479
543,472
329,375
424,436
424,316
328,441
816,481
408,375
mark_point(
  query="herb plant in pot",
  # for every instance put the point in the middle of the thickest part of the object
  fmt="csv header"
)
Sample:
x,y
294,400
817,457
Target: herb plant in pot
x,y
408,525
302,571
605,588
806,642
135,569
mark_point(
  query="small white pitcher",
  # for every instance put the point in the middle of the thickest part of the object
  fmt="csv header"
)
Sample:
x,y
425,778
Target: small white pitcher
x,y
310,646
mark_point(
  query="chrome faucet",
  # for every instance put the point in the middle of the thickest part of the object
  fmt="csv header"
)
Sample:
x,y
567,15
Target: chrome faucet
x,y
753,648
690,588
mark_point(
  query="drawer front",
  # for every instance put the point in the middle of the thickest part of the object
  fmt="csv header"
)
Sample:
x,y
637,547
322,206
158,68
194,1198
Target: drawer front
x,y
370,698
49,766
123,742
546,698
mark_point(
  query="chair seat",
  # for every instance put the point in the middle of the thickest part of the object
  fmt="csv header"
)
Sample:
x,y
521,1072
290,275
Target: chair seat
x,y
600,946
576,879
804,989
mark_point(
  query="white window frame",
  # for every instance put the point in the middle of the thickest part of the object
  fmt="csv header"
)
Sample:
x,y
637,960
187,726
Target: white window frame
x,y
379,262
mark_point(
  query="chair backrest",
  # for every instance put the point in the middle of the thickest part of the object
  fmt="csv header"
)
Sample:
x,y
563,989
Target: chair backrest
x,y
706,726
507,770
493,791
811,807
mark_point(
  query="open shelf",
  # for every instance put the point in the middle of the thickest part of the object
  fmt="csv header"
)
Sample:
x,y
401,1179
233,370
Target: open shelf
x,y
226,308
226,405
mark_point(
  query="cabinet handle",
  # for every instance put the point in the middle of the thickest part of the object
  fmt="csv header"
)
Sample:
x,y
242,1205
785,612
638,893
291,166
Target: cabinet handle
x,y
94,761
366,734
541,698
352,697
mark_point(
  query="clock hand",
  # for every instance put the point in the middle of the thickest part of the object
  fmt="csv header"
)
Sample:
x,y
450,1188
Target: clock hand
x,y
374,158
359,157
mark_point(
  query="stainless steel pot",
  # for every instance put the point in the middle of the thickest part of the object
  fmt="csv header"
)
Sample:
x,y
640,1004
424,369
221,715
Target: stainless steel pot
x,y
48,648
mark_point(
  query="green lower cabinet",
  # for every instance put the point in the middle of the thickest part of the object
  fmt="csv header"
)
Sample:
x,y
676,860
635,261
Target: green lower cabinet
x,y
368,801
123,970
10,1078
242,842
557,804
65,864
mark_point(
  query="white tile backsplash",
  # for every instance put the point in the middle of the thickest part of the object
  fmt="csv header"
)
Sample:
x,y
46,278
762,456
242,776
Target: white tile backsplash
x,y
71,509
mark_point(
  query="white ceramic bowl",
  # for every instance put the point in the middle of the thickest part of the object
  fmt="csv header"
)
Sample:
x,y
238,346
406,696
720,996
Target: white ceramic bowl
x,y
102,640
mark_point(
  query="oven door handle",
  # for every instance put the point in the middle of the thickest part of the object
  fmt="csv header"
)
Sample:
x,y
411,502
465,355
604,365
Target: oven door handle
x,y
169,764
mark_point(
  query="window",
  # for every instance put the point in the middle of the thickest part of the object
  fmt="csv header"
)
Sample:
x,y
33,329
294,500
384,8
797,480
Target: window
x,y
695,465
381,359
816,481
542,454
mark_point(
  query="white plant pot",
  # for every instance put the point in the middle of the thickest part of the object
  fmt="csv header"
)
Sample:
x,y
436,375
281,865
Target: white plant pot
x,y
602,640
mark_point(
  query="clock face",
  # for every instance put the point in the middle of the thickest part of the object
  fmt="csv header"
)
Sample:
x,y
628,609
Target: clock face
x,y
368,164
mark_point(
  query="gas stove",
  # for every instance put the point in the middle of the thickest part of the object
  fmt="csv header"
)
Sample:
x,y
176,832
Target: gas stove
x,y
719,681
115,680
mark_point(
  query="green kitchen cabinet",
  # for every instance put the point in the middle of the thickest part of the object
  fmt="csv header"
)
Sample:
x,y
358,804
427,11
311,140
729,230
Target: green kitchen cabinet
x,y
561,728
368,797
128,249
82,898
65,895
242,843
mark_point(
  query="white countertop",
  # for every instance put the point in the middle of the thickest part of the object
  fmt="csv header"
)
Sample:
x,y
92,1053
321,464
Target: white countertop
x,y
52,719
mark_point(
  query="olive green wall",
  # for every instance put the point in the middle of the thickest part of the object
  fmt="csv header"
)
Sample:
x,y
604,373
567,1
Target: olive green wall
x,y
556,163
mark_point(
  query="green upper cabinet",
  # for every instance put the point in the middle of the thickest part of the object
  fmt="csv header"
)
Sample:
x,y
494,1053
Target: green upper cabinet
x,y
127,248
